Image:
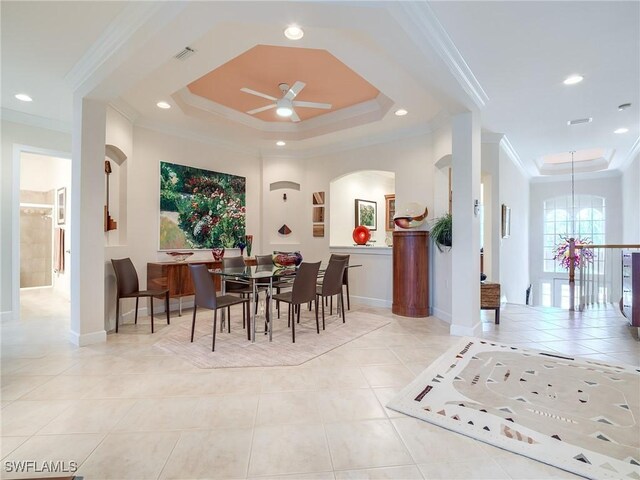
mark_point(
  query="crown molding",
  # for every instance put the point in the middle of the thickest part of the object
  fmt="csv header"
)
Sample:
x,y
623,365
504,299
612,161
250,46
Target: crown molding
x,y
426,28
515,158
14,116
633,153
579,176
125,109
190,135
119,31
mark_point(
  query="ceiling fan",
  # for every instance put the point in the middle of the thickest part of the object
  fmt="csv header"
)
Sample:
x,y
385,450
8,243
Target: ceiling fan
x,y
284,106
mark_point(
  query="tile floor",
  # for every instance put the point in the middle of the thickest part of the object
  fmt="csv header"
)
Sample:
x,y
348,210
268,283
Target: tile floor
x,y
124,409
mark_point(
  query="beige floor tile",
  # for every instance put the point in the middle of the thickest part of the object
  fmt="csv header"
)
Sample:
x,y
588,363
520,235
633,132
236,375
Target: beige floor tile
x,y
523,468
49,365
63,387
288,408
289,449
99,365
335,378
298,476
160,414
407,472
385,395
287,379
485,469
130,455
15,386
70,450
89,416
226,411
365,444
9,444
25,417
210,454
369,356
118,386
428,443
388,375
348,405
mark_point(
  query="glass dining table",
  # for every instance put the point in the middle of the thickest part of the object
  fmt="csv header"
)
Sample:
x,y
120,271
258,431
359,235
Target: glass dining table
x,y
261,277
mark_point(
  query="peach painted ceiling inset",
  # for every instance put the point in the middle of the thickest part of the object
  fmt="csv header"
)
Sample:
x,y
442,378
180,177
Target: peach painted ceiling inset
x,y
264,67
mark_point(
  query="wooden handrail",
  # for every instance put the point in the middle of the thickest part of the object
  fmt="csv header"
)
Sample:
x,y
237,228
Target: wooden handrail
x,y
611,245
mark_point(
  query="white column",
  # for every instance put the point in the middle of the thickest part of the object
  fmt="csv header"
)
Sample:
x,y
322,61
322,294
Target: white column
x,y
87,232
465,253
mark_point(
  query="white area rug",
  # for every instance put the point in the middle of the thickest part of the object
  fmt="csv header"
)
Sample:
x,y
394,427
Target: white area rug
x,y
234,350
578,415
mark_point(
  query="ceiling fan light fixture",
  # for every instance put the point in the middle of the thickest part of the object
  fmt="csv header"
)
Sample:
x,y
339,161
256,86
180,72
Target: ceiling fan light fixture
x,y
23,97
401,112
573,79
281,143
284,111
163,105
293,32
621,130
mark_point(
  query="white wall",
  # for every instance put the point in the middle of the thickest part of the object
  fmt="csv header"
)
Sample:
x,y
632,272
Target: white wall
x,y
42,173
607,186
514,264
343,191
15,135
631,202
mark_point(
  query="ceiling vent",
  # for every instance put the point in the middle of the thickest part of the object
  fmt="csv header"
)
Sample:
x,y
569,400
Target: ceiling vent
x,y
579,121
184,54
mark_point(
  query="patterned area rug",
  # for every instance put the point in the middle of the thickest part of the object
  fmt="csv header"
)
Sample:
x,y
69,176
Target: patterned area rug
x,y
234,350
575,414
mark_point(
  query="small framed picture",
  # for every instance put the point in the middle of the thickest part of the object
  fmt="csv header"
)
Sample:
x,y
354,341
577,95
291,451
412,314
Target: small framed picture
x,y
506,221
390,212
366,214
62,206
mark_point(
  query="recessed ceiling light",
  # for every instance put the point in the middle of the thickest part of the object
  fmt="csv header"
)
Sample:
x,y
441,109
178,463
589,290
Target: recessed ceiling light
x,y
621,130
24,97
164,105
401,112
573,79
293,32
281,143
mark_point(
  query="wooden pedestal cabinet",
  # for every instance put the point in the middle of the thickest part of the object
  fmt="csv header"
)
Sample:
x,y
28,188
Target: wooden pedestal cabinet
x,y
176,276
411,273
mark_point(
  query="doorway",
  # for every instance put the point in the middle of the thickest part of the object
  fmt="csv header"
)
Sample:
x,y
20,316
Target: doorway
x,y
43,236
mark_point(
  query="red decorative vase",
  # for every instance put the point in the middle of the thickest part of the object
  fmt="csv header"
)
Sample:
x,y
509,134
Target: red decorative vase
x,y
361,235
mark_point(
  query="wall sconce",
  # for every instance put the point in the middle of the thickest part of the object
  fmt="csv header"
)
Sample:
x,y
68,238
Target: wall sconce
x,y
476,207
284,197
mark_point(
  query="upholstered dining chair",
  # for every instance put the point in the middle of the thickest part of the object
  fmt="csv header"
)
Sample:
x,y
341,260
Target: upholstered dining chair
x,y
232,286
206,298
345,276
127,286
302,291
332,284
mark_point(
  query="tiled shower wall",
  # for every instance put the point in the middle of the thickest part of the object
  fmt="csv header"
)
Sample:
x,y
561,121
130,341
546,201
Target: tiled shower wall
x,y
36,240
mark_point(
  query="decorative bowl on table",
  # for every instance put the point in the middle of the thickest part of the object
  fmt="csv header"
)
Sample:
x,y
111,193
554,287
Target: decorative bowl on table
x,y
286,259
179,256
361,235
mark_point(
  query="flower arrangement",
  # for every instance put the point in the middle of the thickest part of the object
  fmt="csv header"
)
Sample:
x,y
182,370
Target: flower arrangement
x,y
582,255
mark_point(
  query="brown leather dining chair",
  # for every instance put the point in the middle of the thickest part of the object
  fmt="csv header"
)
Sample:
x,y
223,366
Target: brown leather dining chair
x,y
332,284
302,291
206,298
127,286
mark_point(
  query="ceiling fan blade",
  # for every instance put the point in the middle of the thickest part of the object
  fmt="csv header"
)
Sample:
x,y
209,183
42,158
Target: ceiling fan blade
x,y
294,117
258,94
326,106
295,90
261,109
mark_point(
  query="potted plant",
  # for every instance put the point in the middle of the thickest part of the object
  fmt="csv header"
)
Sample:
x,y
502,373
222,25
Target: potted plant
x,y
441,231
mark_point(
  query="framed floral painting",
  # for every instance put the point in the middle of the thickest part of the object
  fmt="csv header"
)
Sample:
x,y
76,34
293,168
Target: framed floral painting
x,y
200,209
366,214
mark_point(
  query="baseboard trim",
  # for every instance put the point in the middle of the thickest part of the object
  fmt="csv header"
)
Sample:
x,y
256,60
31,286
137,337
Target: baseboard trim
x,y
442,315
462,331
371,302
87,338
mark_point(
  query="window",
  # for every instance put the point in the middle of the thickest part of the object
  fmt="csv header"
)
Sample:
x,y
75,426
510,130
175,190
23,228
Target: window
x,y
558,222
